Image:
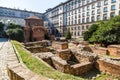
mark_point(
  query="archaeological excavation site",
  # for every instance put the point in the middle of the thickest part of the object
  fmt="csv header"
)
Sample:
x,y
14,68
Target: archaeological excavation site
x,y
77,59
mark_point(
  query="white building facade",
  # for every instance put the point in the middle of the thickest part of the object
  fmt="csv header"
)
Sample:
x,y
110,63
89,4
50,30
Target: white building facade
x,y
78,15
8,15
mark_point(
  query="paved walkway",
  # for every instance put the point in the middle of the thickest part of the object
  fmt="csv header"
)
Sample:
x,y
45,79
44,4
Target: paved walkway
x,y
3,55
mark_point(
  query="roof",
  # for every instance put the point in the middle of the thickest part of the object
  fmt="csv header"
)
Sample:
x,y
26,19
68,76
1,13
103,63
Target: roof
x,y
33,17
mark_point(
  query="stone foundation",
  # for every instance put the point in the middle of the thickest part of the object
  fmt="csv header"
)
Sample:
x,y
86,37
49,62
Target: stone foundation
x,y
17,70
61,65
64,54
38,49
109,65
84,56
79,69
114,50
46,57
60,45
100,50
38,43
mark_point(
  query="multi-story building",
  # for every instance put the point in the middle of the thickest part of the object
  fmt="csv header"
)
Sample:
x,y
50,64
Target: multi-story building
x,y
8,15
78,15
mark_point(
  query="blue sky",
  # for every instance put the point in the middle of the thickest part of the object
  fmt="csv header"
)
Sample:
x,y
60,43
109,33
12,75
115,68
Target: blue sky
x,y
31,5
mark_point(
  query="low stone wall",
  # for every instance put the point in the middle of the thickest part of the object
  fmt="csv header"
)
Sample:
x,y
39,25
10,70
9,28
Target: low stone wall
x,y
38,49
111,66
38,43
84,56
61,65
60,45
79,69
18,71
64,54
46,56
114,50
99,50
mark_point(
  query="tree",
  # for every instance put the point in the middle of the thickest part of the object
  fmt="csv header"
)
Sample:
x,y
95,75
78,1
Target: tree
x,y
107,32
1,26
15,32
90,32
68,34
1,29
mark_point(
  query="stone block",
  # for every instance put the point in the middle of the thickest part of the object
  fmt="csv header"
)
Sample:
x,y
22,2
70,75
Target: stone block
x,y
114,50
61,65
109,65
60,45
64,54
84,56
100,50
38,49
81,68
46,56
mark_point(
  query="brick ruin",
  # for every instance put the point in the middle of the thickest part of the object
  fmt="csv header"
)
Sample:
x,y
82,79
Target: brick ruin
x,y
78,60
17,70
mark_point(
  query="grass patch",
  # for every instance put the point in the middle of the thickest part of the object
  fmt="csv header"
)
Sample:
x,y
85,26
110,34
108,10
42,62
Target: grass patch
x,y
39,67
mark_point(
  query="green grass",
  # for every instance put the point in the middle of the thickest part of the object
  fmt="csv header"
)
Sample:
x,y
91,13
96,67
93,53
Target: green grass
x,y
39,67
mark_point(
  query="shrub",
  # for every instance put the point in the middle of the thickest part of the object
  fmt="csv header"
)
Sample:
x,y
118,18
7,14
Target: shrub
x,y
68,34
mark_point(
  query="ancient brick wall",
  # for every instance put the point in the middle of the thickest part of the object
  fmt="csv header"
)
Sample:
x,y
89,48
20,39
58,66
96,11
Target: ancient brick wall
x,y
61,65
84,56
38,49
60,45
114,50
107,65
64,54
99,50
17,70
81,68
38,43
46,56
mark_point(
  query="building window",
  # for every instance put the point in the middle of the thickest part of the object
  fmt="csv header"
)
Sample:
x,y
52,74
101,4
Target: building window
x,y
113,7
98,17
88,14
74,33
82,33
83,20
92,19
99,4
106,2
113,1
88,8
98,11
83,14
78,27
93,6
93,12
87,20
88,1
79,21
112,14
78,34
83,28
83,9
104,16
105,9
87,27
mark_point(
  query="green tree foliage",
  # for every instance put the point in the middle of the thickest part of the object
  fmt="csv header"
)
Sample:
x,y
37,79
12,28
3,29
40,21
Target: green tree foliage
x,y
1,29
107,32
1,26
90,31
15,32
68,34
